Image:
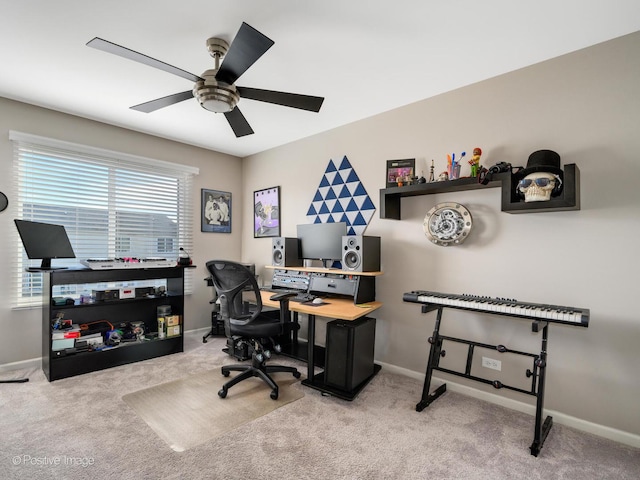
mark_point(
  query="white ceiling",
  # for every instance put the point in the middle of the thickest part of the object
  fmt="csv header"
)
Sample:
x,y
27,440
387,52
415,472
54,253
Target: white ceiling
x,y
364,56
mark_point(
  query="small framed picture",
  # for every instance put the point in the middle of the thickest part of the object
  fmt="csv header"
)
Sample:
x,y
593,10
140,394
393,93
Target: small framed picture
x,y
266,212
400,172
216,211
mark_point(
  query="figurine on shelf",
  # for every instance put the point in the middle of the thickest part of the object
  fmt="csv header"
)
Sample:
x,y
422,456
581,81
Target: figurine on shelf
x,y
431,177
475,162
443,177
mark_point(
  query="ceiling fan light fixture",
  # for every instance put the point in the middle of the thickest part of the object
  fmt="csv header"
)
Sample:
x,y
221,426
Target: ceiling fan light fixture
x,y
217,99
215,96
216,106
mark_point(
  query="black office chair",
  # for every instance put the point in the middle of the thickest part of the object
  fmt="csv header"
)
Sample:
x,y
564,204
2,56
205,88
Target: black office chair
x,y
245,322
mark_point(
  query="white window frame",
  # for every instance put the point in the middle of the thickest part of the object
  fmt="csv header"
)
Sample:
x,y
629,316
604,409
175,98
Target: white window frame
x,y
38,183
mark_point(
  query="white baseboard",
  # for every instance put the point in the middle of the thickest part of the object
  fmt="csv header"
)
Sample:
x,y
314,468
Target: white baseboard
x,y
22,365
558,417
198,331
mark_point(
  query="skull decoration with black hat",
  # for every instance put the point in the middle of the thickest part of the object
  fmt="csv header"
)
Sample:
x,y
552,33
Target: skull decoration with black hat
x,y
542,179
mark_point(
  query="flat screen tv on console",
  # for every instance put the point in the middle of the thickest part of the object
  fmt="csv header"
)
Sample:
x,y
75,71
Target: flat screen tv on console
x,y
322,241
44,241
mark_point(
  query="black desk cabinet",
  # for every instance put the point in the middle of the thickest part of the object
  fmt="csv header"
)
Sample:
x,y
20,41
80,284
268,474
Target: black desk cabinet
x,y
349,352
62,364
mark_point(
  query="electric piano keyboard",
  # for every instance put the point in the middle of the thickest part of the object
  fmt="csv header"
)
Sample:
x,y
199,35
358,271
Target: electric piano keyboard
x,y
501,306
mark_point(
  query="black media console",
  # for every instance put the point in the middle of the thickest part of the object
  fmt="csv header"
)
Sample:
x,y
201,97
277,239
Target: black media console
x,y
62,300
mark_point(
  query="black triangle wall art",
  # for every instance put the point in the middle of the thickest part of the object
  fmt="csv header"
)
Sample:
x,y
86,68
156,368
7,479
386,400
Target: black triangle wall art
x,y
341,197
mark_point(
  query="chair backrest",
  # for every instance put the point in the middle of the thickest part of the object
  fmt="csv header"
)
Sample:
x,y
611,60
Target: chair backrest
x,y
238,292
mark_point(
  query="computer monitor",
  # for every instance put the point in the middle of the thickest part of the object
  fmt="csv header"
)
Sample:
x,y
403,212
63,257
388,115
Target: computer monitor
x,y
322,241
44,241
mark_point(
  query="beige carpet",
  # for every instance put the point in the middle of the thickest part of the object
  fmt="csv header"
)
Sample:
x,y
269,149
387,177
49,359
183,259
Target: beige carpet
x,y
188,412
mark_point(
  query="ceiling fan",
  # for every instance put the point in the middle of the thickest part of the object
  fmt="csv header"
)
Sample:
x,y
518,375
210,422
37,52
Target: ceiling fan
x,y
215,89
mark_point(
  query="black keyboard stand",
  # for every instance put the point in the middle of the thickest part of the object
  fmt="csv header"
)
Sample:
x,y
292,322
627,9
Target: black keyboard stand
x,y
536,373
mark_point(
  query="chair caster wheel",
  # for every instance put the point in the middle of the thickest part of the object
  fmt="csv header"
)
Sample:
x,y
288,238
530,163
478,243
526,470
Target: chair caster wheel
x,y
296,374
222,393
273,395
226,374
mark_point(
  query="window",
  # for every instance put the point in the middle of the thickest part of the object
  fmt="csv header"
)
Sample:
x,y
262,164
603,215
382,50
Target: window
x,y
111,204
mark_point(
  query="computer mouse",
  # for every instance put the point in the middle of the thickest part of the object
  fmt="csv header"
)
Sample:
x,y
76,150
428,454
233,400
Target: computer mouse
x,y
317,300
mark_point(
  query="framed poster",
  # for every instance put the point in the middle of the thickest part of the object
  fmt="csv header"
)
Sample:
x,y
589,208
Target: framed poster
x,y
266,212
215,215
400,172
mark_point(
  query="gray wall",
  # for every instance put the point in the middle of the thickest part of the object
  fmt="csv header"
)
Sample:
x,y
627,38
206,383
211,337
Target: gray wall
x,y
217,171
585,106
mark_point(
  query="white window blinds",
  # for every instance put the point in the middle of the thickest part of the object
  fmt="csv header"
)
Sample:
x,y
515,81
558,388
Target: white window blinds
x,y
112,205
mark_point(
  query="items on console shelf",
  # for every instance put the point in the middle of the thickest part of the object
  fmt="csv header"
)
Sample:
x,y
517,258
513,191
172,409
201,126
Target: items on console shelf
x,y
173,325
100,335
127,263
65,337
162,312
127,292
141,292
122,293
58,301
105,295
60,323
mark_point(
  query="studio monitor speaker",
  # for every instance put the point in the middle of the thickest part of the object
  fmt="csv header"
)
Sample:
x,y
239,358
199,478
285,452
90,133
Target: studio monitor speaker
x,y
361,253
286,252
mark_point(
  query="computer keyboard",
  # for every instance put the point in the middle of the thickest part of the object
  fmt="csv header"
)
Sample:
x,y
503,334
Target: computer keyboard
x,y
300,296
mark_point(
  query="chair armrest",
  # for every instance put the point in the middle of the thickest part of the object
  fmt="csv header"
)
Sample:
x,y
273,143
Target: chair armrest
x,y
278,297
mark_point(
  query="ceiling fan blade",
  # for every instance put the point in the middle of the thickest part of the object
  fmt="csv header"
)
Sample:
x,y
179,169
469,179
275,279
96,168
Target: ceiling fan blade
x,y
246,48
110,47
159,103
238,123
293,100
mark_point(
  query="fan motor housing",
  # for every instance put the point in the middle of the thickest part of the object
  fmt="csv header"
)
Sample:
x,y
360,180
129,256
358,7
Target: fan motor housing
x,y
214,95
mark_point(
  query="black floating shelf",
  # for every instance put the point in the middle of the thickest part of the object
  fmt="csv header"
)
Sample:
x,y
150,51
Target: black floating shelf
x,y
569,198
390,198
